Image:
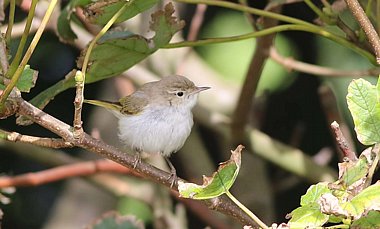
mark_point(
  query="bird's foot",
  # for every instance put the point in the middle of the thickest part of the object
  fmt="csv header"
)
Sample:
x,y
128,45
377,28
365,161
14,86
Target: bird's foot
x,y
137,160
173,173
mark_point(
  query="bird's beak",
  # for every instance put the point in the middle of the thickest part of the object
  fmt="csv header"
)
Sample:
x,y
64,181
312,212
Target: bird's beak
x,y
199,89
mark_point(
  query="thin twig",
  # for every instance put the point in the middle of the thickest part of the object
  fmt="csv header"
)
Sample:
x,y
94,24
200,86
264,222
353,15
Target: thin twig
x,y
63,172
54,143
196,22
78,102
332,113
347,30
11,19
366,25
292,64
249,16
246,210
342,142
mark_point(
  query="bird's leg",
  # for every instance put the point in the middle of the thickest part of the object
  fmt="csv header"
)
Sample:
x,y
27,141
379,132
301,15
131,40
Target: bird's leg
x,y
137,158
173,172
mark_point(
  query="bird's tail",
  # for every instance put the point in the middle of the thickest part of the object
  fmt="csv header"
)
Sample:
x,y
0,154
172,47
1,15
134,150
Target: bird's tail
x,y
112,106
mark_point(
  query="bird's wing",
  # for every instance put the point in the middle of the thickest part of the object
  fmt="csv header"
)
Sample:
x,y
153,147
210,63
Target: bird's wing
x,y
133,104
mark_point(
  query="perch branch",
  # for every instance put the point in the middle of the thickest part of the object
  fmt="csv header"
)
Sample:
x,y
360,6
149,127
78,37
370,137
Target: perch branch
x,y
221,204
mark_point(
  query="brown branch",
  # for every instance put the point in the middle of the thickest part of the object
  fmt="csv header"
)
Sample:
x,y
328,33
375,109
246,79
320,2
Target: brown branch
x,y
221,204
292,64
242,111
55,143
342,142
63,172
366,25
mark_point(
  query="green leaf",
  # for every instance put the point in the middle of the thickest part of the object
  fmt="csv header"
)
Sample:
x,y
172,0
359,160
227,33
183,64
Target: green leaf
x,y
100,12
117,51
308,216
27,79
371,220
368,199
216,185
112,220
353,171
365,110
165,25
314,193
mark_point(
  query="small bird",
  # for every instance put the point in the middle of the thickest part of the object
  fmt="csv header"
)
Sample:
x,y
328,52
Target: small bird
x,y
157,117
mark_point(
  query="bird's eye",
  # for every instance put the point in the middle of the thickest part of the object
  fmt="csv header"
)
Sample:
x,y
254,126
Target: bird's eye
x,y
179,94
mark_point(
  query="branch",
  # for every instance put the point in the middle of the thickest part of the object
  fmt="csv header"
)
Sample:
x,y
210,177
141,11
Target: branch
x,y
221,204
55,143
342,142
292,64
245,101
366,25
62,172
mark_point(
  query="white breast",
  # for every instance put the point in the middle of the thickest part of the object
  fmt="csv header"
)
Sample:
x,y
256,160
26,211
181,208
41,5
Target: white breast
x,y
156,130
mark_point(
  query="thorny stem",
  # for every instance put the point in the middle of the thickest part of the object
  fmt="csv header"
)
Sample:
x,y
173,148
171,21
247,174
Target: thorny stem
x,y
246,210
28,53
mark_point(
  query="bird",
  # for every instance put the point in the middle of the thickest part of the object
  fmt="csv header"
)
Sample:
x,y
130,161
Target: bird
x,y
157,117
